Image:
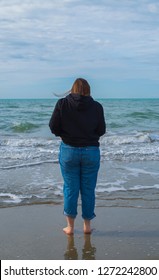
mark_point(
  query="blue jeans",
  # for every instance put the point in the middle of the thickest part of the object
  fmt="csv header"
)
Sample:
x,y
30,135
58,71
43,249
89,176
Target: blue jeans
x,y
79,168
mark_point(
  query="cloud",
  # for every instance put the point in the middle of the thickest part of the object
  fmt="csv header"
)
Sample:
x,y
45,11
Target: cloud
x,y
153,8
107,38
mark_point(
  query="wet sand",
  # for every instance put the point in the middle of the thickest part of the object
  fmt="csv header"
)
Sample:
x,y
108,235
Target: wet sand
x,y
35,233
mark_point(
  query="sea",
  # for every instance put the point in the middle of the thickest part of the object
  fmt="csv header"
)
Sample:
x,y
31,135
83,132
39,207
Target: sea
x,y
129,170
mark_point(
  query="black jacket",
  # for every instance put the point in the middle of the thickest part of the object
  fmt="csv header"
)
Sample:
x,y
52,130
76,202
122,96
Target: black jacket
x,y
78,120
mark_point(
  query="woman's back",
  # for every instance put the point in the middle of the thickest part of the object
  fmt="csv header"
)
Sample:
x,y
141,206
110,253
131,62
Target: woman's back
x,y
78,120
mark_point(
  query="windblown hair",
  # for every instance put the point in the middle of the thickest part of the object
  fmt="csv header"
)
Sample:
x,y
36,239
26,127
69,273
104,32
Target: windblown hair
x,y
81,86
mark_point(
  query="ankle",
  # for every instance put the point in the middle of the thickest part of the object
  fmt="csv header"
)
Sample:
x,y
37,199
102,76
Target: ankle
x,y
87,226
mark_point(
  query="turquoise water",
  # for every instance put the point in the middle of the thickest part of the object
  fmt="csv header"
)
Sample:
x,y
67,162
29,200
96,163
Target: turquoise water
x,y
122,115
129,153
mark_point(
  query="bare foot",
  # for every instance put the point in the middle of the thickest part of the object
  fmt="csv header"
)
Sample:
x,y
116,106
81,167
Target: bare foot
x,y
68,230
70,226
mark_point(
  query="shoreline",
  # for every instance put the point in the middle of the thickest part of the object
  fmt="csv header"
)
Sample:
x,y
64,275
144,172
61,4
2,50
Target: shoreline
x,y
35,233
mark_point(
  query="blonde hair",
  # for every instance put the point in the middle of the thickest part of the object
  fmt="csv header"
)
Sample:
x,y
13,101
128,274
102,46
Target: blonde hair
x,y
81,86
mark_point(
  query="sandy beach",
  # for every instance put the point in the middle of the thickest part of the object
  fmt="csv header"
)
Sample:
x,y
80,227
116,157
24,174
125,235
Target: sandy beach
x,y
35,233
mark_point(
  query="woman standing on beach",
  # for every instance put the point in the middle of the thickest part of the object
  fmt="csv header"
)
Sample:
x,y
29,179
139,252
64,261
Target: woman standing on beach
x,y
79,121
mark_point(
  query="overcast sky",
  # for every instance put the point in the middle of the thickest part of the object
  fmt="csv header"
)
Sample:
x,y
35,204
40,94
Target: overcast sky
x,y
45,45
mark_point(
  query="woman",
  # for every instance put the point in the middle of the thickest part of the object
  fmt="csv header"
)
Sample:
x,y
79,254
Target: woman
x,y
79,121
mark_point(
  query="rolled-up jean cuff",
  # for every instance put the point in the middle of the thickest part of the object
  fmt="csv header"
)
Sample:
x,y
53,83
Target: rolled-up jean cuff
x,y
90,218
68,215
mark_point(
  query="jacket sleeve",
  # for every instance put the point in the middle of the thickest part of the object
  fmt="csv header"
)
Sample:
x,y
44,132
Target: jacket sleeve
x,y
101,128
55,121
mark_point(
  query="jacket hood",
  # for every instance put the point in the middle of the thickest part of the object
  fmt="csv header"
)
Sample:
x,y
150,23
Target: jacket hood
x,y
80,102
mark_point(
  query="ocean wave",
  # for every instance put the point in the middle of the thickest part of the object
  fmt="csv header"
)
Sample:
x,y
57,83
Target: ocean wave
x,y
136,171
18,199
117,185
10,198
26,142
122,139
130,155
154,137
24,127
19,152
116,125
27,164
130,147
108,139
139,187
111,188
147,115
12,106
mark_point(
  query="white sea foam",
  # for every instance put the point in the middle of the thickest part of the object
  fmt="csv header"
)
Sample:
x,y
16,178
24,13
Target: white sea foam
x,y
138,146
28,164
10,197
126,139
110,189
111,186
136,171
154,137
139,187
